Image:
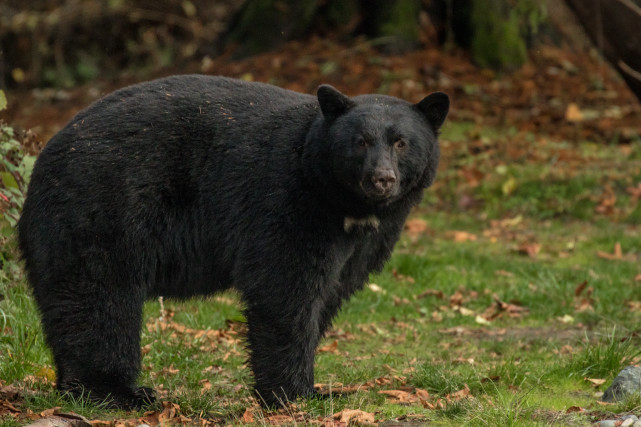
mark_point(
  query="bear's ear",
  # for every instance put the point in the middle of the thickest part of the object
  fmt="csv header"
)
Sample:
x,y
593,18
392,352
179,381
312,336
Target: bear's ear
x,y
332,102
435,108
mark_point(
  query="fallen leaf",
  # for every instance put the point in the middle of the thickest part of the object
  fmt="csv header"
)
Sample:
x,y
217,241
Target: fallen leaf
x,y
465,311
9,392
481,320
402,277
355,417
580,287
463,393
500,308
595,381
530,249
461,236
248,415
634,305
572,409
431,292
400,396
573,113
280,419
414,227
6,406
169,412
508,186
456,299
422,394
375,288
329,348
617,255
566,318
206,385
49,412
635,192
504,273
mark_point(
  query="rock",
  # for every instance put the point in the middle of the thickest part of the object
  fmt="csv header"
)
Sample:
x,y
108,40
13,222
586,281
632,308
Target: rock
x,y
627,383
607,423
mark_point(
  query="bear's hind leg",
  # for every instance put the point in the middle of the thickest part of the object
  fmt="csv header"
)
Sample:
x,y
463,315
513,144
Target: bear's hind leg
x,y
94,333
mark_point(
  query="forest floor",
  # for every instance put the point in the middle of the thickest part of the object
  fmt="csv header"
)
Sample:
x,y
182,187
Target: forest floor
x,y
513,297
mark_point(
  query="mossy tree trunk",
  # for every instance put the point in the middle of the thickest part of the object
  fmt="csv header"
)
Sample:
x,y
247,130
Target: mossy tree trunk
x,y
497,32
264,24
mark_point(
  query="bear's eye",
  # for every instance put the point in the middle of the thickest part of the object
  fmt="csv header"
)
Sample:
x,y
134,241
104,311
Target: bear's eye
x,y
399,144
361,142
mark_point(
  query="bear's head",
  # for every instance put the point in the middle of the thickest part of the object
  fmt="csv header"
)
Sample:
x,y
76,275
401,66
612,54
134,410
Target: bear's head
x,y
374,149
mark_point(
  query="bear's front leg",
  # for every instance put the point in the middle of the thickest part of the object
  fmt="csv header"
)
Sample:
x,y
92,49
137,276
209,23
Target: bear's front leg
x,y
283,336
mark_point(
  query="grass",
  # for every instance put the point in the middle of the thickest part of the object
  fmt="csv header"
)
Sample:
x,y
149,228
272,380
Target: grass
x,y
512,289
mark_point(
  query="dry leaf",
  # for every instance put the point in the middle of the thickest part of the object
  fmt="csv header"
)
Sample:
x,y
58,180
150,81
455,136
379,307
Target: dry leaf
x,y
635,192
595,381
580,287
355,416
248,415
280,419
422,394
456,299
634,305
573,113
431,292
530,249
617,255
481,320
566,319
465,311
461,236
414,227
500,308
6,406
375,288
464,392
206,385
400,396
170,411
49,412
329,348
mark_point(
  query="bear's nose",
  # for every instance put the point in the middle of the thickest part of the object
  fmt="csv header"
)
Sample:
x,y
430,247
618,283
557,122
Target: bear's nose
x,y
383,180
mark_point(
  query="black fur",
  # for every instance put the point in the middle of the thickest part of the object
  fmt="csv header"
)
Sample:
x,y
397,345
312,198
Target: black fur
x,y
190,185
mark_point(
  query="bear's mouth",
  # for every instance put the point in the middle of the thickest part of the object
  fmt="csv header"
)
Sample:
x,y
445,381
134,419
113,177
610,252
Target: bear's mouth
x,y
374,193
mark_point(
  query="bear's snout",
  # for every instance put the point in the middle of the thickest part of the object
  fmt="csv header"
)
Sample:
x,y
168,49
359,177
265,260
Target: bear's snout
x,y
383,180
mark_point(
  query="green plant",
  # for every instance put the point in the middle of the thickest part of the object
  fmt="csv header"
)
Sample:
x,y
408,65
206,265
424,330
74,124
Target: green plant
x,y
15,171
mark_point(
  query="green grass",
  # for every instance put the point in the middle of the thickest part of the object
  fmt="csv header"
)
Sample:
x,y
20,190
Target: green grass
x,y
522,368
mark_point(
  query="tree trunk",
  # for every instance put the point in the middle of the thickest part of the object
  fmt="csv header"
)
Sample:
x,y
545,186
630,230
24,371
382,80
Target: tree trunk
x,y
614,27
265,24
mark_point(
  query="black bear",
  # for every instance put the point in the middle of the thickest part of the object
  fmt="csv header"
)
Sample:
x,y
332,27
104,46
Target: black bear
x,y
190,185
